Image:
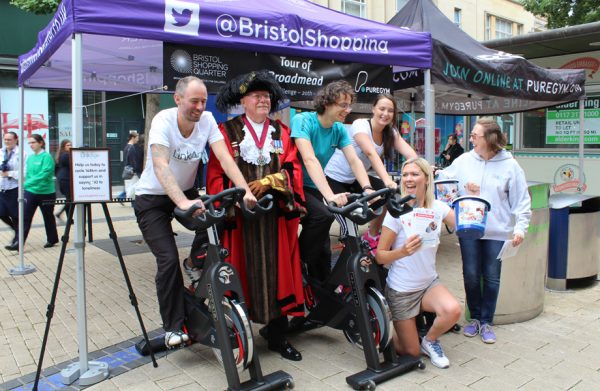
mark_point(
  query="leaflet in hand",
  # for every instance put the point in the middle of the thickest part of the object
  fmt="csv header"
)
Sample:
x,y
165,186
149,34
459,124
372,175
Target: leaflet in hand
x,y
424,222
507,250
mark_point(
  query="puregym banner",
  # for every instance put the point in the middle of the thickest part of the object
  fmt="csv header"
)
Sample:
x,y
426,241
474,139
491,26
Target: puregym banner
x,y
301,78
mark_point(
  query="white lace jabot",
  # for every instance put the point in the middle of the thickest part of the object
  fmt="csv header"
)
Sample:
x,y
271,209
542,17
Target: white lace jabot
x,y
248,149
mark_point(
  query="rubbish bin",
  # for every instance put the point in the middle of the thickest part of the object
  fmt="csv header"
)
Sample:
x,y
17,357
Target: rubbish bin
x,y
574,239
522,280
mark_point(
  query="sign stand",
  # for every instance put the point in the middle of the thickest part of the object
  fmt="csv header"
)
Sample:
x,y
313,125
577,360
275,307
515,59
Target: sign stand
x,y
96,371
22,268
90,183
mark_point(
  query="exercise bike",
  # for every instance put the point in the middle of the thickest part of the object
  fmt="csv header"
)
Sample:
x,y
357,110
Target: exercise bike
x,y
350,299
216,314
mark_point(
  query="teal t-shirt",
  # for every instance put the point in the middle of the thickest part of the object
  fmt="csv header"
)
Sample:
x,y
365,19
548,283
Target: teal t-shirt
x,y
39,174
324,140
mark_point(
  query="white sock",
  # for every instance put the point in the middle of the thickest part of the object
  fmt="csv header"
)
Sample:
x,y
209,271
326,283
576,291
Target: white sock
x,y
369,235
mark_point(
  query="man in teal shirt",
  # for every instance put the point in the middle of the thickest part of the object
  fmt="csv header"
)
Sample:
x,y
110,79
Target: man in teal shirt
x,y
317,136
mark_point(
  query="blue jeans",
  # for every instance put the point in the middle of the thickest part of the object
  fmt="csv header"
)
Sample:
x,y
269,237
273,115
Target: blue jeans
x,y
479,260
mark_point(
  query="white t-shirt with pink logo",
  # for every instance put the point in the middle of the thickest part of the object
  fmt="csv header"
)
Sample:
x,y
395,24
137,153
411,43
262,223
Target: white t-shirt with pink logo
x,y
184,153
414,272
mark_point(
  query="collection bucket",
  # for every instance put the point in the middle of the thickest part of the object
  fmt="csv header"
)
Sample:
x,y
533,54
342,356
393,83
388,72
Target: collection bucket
x,y
471,215
446,190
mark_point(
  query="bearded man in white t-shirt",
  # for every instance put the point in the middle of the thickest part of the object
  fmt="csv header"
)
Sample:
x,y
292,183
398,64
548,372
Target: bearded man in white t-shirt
x,y
176,140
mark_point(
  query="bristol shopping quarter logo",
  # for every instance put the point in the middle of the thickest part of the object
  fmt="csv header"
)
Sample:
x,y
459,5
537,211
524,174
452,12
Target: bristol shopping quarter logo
x,y
182,17
181,61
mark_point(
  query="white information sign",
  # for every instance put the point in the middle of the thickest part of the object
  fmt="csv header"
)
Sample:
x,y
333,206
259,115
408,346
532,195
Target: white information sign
x,y
90,173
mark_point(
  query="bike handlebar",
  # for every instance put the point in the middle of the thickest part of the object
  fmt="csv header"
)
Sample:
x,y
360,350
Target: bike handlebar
x,y
397,205
359,211
215,214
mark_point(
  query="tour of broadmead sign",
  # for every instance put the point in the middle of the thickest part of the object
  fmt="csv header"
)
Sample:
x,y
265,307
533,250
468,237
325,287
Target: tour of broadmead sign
x,y
300,77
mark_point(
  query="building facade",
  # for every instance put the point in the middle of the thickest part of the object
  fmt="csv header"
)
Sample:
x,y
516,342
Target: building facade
x,y
106,122
481,19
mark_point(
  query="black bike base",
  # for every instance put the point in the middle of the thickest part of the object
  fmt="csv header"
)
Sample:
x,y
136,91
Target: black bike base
x,y
273,381
157,345
367,379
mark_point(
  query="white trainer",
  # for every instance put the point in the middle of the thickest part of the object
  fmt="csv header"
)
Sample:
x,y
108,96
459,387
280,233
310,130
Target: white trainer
x,y
435,353
175,338
193,273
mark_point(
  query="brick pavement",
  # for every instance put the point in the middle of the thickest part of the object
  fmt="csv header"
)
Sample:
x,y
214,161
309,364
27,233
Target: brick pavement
x,y
558,350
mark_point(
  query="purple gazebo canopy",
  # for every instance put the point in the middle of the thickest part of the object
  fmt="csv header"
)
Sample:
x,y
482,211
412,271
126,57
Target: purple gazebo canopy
x,y
122,40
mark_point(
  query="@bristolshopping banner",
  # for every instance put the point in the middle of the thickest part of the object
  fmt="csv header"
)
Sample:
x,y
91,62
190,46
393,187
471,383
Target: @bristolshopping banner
x,y
301,78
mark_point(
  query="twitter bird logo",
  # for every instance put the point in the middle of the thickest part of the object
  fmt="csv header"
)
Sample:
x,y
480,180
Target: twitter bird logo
x,y
182,17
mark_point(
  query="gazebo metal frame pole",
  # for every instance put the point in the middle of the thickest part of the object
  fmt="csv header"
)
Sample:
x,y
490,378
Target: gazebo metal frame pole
x,y
87,372
429,118
21,268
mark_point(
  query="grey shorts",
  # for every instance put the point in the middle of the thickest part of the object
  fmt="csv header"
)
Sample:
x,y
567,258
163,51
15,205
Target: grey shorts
x,y
406,305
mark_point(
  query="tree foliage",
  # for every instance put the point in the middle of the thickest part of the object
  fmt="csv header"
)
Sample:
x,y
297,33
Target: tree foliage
x,y
563,13
39,7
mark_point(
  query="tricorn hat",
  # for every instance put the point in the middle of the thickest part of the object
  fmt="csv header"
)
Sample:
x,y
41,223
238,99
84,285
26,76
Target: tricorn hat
x,y
234,90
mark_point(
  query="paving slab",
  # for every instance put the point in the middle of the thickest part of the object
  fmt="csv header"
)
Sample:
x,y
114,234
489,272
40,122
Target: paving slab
x,y
558,350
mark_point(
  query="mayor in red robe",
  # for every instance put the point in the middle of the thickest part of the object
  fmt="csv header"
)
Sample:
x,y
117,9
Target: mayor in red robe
x,y
265,250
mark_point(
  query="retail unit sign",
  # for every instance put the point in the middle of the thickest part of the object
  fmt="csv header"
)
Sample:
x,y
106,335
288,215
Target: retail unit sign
x,y
90,175
562,123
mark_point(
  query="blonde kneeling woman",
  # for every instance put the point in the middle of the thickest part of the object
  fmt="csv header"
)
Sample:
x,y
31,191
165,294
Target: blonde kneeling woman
x,y
413,285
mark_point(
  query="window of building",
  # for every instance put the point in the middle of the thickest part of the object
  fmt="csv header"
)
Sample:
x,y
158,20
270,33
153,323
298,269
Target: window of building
x,y
400,4
355,7
496,28
503,28
458,17
558,127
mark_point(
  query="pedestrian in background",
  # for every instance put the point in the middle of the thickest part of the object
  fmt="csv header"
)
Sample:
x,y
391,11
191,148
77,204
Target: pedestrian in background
x,y
63,174
451,152
9,173
133,162
40,190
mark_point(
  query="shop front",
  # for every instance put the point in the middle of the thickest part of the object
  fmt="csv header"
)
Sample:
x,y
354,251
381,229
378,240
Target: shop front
x,y
547,143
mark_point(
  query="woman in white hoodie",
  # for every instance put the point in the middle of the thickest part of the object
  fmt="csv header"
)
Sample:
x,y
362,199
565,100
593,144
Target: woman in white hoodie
x,y
490,172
